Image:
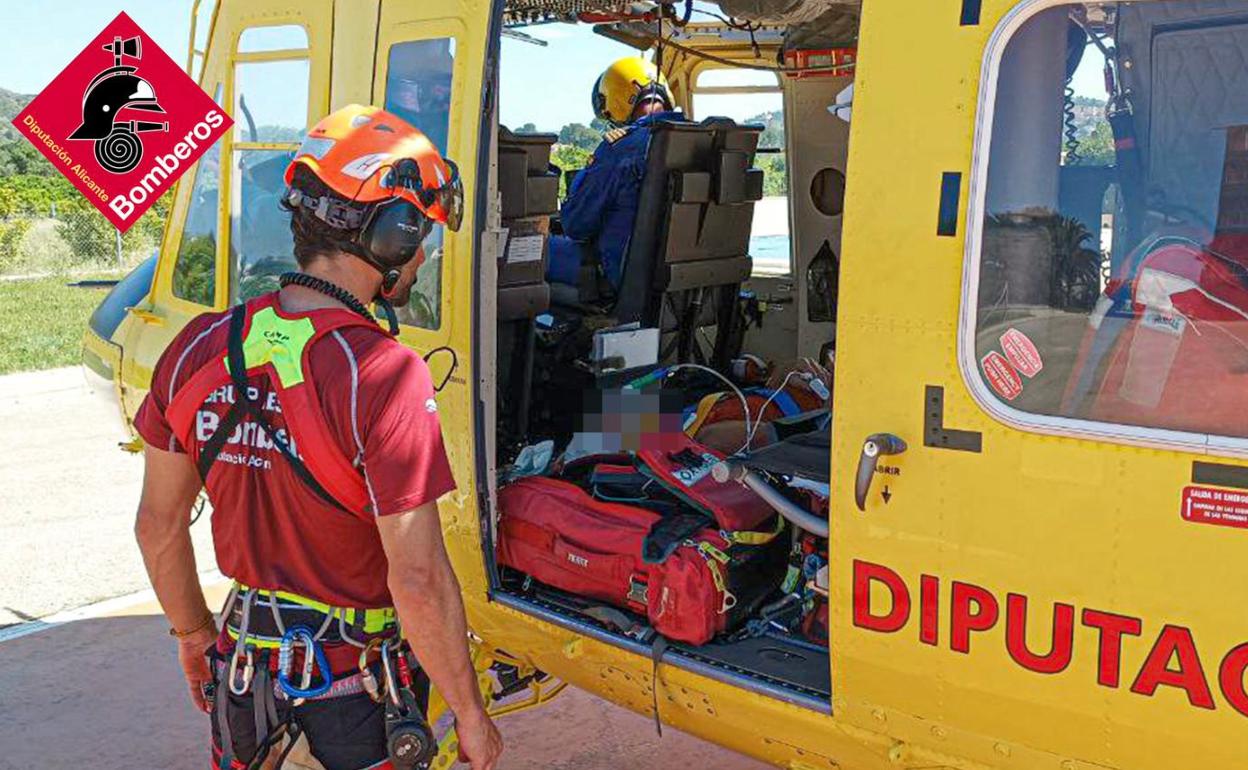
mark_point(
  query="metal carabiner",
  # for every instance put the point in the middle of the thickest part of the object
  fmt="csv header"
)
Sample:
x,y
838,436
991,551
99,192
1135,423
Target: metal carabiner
x,y
313,657
249,670
368,680
392,687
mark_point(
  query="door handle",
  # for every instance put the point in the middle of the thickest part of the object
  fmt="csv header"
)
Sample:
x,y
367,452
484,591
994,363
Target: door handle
x,y
876,445
147,316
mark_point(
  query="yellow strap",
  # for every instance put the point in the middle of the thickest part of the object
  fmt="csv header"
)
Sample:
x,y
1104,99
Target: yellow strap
x,y
755,538
713,552
703,411
717,576
375,620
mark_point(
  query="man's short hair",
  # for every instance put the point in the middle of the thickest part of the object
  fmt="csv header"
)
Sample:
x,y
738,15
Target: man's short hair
x,y
315,238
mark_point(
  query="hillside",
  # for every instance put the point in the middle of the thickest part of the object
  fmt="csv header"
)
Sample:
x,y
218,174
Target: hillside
x,y
10,105
17,156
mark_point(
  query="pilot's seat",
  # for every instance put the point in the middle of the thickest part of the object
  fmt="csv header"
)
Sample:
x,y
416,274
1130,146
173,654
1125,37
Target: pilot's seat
x,y
688,252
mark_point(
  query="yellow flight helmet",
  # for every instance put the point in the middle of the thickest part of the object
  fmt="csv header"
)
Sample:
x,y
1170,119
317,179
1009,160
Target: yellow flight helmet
x,y
625,83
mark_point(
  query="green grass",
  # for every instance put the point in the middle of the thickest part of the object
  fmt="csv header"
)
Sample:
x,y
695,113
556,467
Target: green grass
x,y
42,322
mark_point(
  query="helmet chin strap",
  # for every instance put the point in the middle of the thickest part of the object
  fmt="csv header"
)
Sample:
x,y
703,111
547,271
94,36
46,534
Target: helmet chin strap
x,y
390,277
389,280
392,319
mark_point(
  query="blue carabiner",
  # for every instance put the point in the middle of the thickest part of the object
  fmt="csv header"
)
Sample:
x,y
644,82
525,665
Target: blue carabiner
x,y
313,652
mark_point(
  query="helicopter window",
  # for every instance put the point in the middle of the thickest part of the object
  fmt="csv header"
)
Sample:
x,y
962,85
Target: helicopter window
x,y
753,96
419,76
271,112
284,37
269,105
1111,260
195,271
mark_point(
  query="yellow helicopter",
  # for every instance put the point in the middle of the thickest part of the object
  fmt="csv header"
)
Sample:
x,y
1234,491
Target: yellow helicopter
x,y
1022,227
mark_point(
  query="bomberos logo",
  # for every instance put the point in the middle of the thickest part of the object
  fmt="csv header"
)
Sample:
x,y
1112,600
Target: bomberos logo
x,y
122,122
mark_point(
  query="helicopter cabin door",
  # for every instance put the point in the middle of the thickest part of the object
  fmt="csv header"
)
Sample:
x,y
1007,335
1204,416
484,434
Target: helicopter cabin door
x,y
1044,295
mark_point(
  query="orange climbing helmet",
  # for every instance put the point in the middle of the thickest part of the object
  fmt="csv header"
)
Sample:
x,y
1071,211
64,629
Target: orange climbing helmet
x,y
392,182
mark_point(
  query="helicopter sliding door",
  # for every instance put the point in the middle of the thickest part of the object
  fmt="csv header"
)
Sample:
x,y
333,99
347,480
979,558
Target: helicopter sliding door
x,y
1046,299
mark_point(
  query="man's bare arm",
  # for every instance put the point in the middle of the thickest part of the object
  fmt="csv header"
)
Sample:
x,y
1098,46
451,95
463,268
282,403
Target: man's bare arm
x,y
426,595
170,485
162,527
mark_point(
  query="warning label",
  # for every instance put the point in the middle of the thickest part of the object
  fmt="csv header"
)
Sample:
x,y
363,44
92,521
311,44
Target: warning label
x,y
1001,376
1208,505
1022,353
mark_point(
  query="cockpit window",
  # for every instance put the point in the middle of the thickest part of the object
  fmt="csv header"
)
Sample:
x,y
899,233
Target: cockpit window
x,y
1112,242
195,271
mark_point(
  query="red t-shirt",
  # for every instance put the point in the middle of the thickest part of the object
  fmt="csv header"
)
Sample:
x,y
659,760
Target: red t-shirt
x,y
270,530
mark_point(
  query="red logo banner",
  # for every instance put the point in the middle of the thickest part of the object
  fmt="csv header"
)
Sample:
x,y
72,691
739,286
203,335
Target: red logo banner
x,y
122,122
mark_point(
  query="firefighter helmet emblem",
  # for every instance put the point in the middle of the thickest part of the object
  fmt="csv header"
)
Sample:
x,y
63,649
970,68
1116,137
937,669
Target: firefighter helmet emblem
x,y
118,147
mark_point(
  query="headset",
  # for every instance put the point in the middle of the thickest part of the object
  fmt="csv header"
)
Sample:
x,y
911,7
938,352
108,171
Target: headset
x,y
387,232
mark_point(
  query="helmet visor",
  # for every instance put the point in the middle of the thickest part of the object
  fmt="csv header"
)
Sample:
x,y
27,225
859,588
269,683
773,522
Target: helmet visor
x,y
449,198
444,203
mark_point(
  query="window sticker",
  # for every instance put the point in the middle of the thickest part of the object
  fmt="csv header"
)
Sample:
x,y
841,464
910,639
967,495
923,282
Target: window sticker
x,y
1221,507
1001,376
1022,353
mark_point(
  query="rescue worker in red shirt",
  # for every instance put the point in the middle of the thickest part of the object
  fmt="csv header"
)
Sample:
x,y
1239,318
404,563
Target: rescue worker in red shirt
x,y
316,436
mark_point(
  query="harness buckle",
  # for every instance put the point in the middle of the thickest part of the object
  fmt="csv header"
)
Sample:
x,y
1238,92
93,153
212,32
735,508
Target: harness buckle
x,y
638,591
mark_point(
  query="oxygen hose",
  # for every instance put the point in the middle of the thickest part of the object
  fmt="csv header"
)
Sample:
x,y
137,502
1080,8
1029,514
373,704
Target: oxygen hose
x,y
732,470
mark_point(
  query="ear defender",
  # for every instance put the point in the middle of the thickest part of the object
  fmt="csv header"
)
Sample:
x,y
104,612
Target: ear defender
x,y
394,231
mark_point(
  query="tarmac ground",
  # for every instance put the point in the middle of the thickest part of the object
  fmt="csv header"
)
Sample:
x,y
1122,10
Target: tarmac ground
x,y
101,688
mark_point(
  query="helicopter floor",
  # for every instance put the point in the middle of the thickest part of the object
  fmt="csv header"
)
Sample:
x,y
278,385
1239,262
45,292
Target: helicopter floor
x,y
782,665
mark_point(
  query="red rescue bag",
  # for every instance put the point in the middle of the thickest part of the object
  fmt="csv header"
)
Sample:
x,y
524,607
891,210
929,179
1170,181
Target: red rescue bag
x,y
559,535
683,467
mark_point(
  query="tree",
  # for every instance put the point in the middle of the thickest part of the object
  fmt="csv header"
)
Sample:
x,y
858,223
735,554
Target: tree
x,y
773,128
580,135
17,156
775,173
568,157
1097,147
527,128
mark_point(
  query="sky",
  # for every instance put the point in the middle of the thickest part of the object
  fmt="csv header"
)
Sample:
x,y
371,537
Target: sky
x,y
36,43
551,86
548,86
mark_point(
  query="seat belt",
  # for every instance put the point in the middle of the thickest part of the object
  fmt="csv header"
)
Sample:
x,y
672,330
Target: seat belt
x,y
244,405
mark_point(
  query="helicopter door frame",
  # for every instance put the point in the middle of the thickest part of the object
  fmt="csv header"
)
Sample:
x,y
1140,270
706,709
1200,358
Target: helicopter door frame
x,y
451,349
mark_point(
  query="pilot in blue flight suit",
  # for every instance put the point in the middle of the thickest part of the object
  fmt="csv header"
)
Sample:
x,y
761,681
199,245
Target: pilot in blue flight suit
x,y
602,202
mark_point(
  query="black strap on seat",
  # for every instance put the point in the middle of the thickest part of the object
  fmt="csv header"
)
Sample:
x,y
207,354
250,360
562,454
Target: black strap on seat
x,y
244,405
